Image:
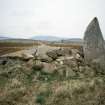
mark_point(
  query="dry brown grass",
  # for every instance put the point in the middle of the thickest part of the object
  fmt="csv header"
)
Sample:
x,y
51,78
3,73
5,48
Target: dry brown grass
x,y
9,47
17,44
65,45
7,50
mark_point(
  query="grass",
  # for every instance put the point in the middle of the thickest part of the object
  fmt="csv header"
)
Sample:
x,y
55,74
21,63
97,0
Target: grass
x,y
42,96
85,91
18,88
65,45
17,44
9,47
9,50
3,81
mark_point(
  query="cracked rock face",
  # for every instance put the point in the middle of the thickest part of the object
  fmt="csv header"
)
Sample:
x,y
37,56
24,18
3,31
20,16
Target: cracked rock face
x,y
93,42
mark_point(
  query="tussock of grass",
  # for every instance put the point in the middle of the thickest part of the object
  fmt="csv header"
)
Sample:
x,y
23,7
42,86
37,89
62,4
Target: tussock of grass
x,y
20,85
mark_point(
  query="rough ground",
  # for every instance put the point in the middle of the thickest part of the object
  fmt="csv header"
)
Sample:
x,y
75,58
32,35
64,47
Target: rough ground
x,y
58,77
41,49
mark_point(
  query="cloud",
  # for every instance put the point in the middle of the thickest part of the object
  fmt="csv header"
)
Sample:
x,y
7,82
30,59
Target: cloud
x,y
69,18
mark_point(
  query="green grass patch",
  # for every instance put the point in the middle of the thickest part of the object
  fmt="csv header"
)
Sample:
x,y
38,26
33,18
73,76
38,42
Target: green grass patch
x,y
42,96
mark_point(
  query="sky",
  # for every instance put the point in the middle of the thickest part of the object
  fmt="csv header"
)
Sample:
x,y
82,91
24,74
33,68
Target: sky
x,y
62,18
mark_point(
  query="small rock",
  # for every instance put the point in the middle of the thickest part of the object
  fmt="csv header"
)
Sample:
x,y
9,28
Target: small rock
x,y
52,54
3,61
63,52
27,56
70,73
49,67
89,72
45,58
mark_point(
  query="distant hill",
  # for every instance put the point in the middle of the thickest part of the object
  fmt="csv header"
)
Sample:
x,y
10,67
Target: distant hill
x,y
74,41
18,40
44,38
47,38
2,38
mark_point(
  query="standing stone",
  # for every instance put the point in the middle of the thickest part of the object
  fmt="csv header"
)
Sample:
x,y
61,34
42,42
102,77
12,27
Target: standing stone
x,y
94,47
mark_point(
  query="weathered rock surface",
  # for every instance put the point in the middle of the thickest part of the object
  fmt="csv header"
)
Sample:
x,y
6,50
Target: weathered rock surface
x,y
99,65
54,54
26,56
49,67
3,61
94,47
45,58
63,51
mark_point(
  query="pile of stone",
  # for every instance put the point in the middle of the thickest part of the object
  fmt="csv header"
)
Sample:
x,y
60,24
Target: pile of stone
x,y
88,61
69,62
66,61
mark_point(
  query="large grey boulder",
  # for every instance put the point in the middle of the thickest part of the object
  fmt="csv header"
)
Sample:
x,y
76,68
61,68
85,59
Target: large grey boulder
x,y
94,46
